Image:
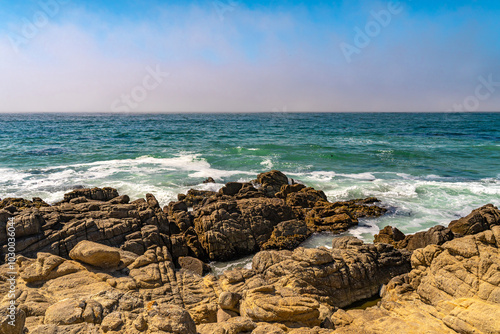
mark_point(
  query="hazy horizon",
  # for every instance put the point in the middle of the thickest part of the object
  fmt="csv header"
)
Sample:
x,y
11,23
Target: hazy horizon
x,y
249,56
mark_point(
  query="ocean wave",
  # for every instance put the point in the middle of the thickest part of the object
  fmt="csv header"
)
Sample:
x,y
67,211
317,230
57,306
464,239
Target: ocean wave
x,y
420,201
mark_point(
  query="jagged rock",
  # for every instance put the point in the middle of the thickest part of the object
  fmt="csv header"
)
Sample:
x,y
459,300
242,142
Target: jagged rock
x,y
195,197
436,235
271,182
349,272
95,254
97,194
389,235
209,180
478,220
452,288
232,228
129,252
287,235
19,204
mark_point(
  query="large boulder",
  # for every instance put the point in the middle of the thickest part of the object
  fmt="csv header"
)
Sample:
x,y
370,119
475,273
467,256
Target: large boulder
x,y
234,228
436,235
65,312
95,254
97,194
478,220
271,182
265,304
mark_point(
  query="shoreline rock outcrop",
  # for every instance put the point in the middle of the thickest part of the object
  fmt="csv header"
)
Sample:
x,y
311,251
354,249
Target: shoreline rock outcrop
x,y
239,220
452,288
106,264
479,220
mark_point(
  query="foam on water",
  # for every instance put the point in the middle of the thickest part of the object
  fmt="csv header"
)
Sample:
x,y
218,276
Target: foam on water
x,y
422,168
218,268
164,177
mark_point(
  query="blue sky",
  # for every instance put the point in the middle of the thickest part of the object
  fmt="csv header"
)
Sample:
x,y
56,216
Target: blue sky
x,y
249,55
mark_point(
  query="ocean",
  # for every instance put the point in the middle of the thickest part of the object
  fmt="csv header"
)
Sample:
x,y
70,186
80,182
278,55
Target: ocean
x,y
427,168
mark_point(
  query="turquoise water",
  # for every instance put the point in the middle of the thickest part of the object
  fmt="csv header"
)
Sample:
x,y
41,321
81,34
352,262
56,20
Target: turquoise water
x,y
427,168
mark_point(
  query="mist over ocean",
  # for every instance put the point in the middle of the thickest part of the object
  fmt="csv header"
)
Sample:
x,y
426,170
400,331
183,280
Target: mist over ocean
x,y
427,168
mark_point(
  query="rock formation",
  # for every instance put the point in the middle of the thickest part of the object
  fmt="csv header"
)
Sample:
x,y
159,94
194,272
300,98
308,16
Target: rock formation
x,y
452,288
98,263
241,219
478,220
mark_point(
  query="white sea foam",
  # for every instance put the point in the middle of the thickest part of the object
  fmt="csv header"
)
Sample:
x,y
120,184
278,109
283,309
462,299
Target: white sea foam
x,y
164,177
267,163
218,268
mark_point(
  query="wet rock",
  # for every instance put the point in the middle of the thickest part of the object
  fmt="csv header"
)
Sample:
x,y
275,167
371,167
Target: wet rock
x,y
271,182
477,221
97,194
287,235
231,188
436,235
209,180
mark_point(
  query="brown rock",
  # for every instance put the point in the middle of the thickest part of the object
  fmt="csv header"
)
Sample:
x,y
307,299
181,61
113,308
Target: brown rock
x,y
12,320
230,301
65,312
231,188
389,235
477,221
170,319
98,194
264,304
96,254
193,265
271,182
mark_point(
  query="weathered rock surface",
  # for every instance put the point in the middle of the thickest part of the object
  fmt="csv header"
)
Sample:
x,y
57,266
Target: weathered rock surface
x,y
436,235
452,288
137,268
478,220
95,254
284,290
240,219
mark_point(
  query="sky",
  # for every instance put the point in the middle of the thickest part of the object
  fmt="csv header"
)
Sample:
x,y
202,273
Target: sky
x,y
249,56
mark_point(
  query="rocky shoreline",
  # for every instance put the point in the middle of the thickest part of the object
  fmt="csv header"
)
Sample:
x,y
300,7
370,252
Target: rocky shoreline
x,y
99,263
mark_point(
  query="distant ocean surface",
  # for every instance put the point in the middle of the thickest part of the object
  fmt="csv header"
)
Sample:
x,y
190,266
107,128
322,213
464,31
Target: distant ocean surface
x,y
427,168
